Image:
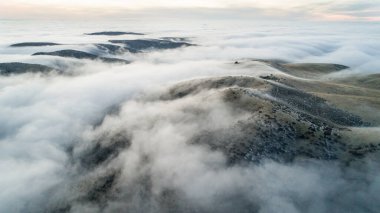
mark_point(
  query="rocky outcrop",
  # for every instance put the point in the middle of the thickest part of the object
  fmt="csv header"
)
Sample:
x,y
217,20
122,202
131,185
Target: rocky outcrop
x,y
284,124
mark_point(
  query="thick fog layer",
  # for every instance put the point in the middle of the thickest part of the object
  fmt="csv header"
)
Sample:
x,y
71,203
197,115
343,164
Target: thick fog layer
x,y
50,122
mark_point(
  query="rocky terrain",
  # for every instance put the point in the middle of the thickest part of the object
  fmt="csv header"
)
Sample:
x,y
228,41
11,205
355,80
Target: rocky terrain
x,y
277,117
285,123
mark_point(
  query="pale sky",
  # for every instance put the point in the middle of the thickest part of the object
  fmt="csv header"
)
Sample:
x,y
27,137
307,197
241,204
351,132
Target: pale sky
x,y
361,10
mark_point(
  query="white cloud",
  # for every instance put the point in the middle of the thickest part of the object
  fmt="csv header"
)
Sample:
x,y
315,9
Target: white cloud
x,y
43,117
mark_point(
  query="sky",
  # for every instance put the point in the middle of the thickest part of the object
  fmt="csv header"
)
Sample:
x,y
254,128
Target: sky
x,y
335,10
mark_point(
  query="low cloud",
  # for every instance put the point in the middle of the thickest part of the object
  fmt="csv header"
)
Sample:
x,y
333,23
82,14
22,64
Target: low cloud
x,y
50,123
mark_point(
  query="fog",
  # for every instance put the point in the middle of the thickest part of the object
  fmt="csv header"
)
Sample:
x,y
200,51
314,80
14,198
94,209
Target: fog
x,y
51,123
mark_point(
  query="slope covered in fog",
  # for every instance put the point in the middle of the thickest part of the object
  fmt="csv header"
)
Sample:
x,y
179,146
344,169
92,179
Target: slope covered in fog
x,y
202,119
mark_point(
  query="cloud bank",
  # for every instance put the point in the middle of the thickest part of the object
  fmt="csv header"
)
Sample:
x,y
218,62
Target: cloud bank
x,y
104,140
